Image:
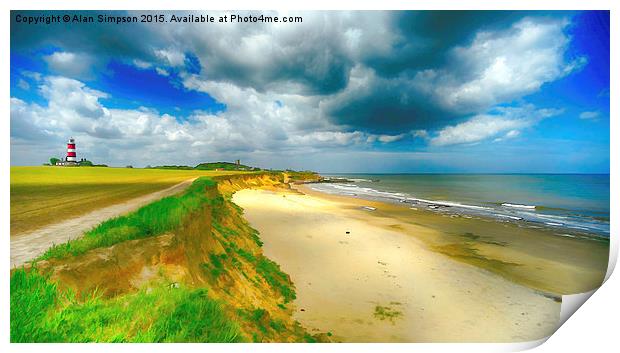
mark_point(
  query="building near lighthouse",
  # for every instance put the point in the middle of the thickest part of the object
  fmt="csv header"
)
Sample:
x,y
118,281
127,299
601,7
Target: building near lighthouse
x,y
71,158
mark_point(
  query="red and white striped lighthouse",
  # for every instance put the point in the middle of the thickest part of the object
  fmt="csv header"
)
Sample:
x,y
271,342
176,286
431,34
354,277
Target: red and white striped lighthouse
x,y
71,150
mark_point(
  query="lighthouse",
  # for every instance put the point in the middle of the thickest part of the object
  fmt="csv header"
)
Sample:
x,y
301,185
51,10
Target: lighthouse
x,y
71,157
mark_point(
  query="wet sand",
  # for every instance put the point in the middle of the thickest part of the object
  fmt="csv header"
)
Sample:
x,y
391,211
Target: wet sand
x,y
536,257
401,275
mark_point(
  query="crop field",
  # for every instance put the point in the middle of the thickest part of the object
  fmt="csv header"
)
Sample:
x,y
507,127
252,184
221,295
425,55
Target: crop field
x,y
46,195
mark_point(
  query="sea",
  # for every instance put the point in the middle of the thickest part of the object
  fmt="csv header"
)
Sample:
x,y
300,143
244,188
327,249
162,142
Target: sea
x,y
575,202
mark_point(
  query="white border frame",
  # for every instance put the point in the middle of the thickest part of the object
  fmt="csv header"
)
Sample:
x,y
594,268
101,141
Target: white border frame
x,y
597,320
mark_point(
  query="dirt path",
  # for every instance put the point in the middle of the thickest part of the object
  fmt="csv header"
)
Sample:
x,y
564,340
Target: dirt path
x,y
28,246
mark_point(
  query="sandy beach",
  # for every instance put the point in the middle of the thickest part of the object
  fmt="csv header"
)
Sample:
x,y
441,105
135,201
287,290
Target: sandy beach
x,y
366,273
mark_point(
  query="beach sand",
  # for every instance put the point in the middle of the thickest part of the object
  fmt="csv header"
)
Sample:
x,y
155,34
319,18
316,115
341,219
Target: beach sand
x,y
394,279
540,258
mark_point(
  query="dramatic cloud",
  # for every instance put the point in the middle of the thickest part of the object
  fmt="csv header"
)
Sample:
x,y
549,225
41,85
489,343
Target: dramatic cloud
x,y
501,66
253,122
313,57
338,81
71,108
496,67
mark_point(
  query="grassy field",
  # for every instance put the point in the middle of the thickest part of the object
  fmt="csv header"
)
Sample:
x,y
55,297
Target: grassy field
x,y
45,195
150,220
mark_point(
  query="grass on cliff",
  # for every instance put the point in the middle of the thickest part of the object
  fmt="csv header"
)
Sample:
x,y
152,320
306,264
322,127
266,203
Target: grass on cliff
x,y
153,219
41,312
277,279
269,270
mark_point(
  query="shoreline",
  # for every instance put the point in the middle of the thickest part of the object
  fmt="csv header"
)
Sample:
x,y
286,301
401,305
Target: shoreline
x,y
397,269
528,256
519,214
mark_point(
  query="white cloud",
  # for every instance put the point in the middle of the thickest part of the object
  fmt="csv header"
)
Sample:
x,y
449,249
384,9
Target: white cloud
x,y
33,75
501,66
476,129
23,84
509,135
423,134
72,109
142,64
72,97
508,121
390,138
332,84
29,122
161,71
172,57
512,134
589,115
252,123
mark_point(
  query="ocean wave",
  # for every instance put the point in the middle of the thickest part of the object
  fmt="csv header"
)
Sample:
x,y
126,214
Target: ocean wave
x,y
514,205
449,204
367,191
351,188
547,216
499,211
507,216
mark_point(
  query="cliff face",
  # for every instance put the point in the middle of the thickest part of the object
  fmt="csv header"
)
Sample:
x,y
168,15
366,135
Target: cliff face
x,y
215,249
227,185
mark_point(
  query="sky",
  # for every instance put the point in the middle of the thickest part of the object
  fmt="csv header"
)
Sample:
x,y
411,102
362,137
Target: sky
x,y
373,92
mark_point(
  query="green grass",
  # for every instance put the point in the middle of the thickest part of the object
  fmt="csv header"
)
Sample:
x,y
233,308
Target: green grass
x,y
153,219
277,325
270,271
216,265
302,175
45,195
262,320
248,256
277,279
226,232
40,312
31,297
